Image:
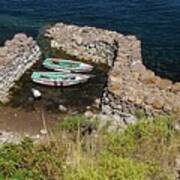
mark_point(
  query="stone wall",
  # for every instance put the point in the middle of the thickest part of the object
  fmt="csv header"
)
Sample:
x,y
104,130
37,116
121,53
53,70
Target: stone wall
x,y
87,43
17,55
131,86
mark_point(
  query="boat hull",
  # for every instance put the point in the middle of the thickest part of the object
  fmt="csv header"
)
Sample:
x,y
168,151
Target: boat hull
x,y
69,79
67,65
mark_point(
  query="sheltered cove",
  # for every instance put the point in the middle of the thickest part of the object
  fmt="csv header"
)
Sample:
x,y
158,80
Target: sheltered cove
x,y
130,87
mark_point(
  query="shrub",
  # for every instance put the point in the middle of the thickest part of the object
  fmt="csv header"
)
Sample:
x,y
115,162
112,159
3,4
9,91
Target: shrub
x,y
29,161
150,141
109,166
75,123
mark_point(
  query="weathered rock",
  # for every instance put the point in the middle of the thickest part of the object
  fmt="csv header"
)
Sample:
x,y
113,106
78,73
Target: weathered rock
x,y
36,93
177,127
164,84
43,131
158,103
97,103
138,67
177,167
19,54
148,77
9,137
62,108
176,88
89,114
3,51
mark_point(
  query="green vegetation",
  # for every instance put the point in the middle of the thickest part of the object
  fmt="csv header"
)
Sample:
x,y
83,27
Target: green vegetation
x,y
74,123
143,151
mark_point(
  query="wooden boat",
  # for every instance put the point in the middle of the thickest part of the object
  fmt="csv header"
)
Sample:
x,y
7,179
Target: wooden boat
x,y
67,65
59,79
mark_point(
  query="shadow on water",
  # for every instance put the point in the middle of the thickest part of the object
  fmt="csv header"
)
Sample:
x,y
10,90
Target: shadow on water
x,y
75,98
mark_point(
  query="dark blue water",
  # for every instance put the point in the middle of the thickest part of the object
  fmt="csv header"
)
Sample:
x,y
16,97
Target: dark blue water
x,y
155,22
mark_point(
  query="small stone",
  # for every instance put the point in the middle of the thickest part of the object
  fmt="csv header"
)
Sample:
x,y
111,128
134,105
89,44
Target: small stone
x,y
164,84
158,103
21,36
79,40
136,75
115,88
139,101
178,162
116,117
148,77
167,107
73,112
177,167
176,88
106,110
3,51
177,127
130,119
36,93
97,102
103,117
37,136
43,131
30,99
138,67
88,107
131,99
106,100
27,135
62,108
89,114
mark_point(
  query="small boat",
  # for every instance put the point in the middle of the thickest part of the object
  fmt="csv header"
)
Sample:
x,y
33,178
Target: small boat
x,y
59,79
67,65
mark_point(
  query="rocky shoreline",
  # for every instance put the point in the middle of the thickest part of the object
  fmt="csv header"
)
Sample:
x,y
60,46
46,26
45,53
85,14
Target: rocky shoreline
x,y
17,56
131,86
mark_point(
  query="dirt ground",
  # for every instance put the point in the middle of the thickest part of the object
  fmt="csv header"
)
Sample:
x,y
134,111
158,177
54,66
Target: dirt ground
x,y
25,121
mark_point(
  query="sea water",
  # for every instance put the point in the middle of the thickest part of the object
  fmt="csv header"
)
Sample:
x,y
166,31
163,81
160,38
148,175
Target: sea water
x,y
155,22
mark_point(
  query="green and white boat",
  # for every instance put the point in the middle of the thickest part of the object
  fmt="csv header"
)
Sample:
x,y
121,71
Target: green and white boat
x,y
59,79
65,65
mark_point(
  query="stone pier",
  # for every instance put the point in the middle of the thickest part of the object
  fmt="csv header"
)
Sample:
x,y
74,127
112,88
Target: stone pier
x,y
131,87
17,55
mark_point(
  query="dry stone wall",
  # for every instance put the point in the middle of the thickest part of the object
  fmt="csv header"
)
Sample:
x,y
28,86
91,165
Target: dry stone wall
x,y
89,44
17,55
131,86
